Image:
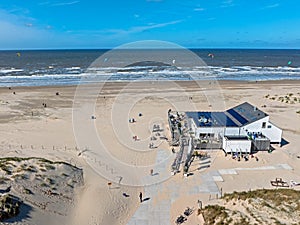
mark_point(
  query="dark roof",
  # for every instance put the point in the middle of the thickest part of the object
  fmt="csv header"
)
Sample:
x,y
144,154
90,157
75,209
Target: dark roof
x,y
231,137
235,117
246,113
211,119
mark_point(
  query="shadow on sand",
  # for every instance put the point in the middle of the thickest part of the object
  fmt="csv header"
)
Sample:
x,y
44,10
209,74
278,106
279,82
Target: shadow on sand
x,y
284,142
23,215
146,199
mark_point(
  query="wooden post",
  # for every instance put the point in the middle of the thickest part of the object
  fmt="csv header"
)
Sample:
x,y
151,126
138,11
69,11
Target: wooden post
x,y
199,204
120,178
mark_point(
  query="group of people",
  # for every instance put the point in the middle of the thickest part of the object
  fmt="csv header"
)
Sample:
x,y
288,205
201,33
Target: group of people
x,y
135,137
151,145
242,156
140,196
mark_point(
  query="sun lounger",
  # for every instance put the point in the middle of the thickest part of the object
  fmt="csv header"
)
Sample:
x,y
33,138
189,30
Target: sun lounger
x,y
278,182
181,219
188,211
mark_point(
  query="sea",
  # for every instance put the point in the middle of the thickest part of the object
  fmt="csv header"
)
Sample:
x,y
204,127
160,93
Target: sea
x,y
72,67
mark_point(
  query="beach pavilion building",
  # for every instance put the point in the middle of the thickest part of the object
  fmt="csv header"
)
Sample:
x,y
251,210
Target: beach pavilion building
x,y
243,128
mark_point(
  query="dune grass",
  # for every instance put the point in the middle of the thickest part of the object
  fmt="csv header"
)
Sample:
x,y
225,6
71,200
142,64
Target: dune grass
x,y
9,206
276,200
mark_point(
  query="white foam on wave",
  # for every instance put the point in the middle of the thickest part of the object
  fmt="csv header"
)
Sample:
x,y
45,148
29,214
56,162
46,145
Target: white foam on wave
x,y
73,75
73,68
41,76
11,70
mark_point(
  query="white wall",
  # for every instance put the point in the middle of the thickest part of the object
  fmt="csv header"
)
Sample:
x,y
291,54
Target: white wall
x,y
193,126
233,131
236,145
210,130
254,127
274,133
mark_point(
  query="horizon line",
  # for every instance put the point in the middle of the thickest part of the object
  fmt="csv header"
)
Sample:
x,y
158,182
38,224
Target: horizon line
x,y
191,48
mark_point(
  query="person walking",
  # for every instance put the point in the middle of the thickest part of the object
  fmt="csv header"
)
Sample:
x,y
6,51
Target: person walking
x,y
151,172
141,197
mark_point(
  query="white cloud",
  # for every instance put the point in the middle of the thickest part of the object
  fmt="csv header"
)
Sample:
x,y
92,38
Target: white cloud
x,y
17,33
227,3
117,34
271,6
138,29
199,9
44,3
16,36
65,3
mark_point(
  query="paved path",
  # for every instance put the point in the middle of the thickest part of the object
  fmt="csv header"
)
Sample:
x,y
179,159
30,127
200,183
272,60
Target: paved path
x,y
157,212
207,185
152,214
154,211
275,167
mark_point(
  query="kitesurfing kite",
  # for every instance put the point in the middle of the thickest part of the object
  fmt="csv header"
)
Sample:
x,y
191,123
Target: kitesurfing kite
x,y
211,55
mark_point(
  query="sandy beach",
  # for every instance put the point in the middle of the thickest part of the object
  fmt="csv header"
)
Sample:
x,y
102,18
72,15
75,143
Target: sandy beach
x,y
38,122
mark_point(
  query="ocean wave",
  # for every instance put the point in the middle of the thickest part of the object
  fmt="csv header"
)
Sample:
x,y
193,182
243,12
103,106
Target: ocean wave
x,y
73,68
11,70
74,75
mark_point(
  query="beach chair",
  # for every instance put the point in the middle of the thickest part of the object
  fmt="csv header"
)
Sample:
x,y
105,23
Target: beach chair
x,y
278,182
188,211
293,183
181,219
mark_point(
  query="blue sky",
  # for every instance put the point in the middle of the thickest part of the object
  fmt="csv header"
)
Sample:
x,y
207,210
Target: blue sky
x,y
45,24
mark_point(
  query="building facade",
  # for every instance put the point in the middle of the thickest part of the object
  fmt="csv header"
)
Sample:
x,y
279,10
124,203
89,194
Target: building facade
x,y
244,120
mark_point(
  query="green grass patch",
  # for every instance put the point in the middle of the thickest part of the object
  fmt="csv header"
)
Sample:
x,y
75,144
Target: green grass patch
x,y
3,180
4,161
44,185
49,167
213,214
10,207
283,200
